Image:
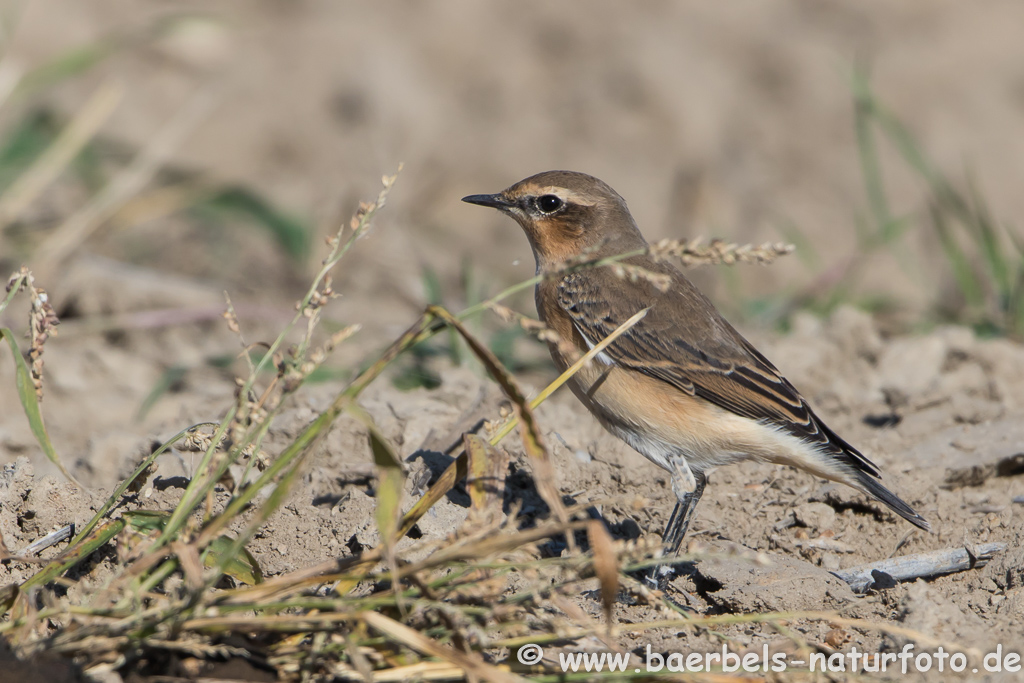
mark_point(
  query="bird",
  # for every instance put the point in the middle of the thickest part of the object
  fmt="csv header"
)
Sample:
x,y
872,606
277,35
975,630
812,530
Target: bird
x,y
682,386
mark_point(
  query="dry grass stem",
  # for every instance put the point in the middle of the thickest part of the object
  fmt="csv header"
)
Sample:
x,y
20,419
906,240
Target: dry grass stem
x,y
85,124
718,252
76,229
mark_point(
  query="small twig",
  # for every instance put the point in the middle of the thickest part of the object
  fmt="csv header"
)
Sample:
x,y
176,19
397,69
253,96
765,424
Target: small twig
x,y
50,539
886,573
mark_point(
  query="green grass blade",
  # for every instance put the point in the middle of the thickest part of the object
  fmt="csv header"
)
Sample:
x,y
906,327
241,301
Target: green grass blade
x,y
170,377
30,403
431,286
390,480
968,282
906,144
990,244
1015,305
239,565
434,296
124,485
146,521
292,234
867,148
805,250
24,143
67,65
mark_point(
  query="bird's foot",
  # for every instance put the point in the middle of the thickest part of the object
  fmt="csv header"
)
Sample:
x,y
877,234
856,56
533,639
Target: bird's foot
x,y
659,579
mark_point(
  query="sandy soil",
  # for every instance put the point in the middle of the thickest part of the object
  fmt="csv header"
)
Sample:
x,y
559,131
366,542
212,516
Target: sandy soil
x,y
710,119
953,453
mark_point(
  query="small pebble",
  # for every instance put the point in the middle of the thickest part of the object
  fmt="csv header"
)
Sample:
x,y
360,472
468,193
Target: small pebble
x,y
830,562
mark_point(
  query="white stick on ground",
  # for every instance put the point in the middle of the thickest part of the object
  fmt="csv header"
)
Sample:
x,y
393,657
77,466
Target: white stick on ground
x,y
50,539
887,573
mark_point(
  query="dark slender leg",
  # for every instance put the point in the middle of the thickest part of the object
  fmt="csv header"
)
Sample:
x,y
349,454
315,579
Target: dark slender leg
x,y
682,513
677,525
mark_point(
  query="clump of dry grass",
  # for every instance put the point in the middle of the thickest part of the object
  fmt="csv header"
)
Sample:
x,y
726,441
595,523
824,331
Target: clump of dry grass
x,y
461,610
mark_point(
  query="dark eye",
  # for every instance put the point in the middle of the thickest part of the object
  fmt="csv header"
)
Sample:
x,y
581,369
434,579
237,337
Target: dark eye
x,y
549,203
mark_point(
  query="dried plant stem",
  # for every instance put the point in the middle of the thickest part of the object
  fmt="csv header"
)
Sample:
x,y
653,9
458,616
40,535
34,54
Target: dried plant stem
x,y
74,231
504,430
690,252
54,160
307,307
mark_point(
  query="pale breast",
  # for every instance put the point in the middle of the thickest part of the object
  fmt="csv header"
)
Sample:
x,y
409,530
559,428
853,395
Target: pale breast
x,y
661,423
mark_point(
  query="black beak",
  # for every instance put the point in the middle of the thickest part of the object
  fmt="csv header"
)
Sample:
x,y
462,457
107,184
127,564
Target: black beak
x,y
496,201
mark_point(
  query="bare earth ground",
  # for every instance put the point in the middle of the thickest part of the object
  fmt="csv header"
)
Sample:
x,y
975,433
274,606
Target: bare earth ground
x,y
708,119
959,401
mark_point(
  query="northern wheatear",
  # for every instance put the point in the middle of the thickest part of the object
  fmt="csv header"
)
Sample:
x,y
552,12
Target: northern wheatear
x,y
682,386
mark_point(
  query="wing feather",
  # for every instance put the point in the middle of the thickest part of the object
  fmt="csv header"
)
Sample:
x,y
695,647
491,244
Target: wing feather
x,y
720,366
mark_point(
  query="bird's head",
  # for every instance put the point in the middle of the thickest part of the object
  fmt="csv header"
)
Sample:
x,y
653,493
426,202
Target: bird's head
x,y
565,214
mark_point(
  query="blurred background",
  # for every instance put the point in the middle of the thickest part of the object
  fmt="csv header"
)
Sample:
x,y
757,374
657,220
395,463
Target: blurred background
x,y
155,153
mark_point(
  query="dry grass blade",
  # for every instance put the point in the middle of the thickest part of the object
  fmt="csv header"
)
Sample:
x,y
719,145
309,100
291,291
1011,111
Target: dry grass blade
x,y
455,473
606,567
481,548
390,484
74,231
239,565
533,442
573,369
711,621
54,160
458,469
390,479
421,671
472,664
190,563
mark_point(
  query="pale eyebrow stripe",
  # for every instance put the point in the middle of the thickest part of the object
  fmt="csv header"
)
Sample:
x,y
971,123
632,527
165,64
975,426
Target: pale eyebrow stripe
x,y
561,192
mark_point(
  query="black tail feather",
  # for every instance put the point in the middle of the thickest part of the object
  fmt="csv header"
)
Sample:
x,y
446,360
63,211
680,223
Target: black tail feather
x,y
894,502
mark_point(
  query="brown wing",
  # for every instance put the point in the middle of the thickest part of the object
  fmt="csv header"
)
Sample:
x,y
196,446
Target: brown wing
x,y
685,342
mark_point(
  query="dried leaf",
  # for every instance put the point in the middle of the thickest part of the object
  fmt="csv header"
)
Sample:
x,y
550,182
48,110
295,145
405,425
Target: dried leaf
x,y
486,481
243,567
606,566
390,480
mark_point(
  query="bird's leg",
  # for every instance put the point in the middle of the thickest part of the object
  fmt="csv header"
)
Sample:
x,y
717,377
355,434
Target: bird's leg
x,y
679,522
688,487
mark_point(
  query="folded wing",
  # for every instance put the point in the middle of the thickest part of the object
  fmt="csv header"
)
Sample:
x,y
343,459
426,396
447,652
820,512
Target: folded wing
x,y
712,361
